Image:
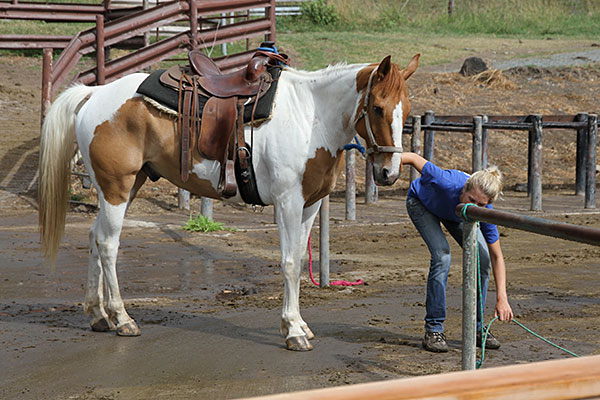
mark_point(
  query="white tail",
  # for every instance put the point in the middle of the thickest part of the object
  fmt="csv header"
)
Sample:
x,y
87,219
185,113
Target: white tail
x,y
56,151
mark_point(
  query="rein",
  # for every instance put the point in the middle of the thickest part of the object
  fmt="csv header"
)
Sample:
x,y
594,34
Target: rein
x,y
373,146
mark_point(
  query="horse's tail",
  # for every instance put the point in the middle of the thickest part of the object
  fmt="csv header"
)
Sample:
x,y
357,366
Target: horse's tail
x,y
56,152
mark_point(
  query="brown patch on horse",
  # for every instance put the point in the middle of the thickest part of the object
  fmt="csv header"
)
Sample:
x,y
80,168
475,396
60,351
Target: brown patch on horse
x,y
388,88
320,175
138,134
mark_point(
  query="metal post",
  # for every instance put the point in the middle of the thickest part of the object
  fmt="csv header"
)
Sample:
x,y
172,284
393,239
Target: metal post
x,y
428,136
536,163
580,163
46,82
146,34
100,60
206,207
324,243
476,160
224,45
484,143
193,24
271,14
469,300
590,182
350,185
415,144
371,190
183,199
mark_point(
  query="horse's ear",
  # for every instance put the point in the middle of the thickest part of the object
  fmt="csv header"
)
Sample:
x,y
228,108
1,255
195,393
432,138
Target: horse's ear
x,y
411,67
384,67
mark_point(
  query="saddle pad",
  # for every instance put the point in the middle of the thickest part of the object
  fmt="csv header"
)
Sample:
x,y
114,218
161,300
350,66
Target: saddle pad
x,y
152,88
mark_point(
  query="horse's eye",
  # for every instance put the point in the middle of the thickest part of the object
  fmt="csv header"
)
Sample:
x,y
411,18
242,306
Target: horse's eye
x,y
378,110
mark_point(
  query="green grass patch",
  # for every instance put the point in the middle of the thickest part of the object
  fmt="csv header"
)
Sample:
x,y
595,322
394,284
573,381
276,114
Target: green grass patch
x,y
500,17
200,223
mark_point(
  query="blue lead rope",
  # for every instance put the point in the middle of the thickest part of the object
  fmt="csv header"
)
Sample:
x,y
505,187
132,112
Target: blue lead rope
x,y
356,146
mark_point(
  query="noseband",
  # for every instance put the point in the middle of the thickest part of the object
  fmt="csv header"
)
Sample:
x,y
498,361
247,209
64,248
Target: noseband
x,y
373,146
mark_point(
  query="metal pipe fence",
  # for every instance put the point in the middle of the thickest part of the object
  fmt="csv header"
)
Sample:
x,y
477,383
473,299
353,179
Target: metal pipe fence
x,y
471,215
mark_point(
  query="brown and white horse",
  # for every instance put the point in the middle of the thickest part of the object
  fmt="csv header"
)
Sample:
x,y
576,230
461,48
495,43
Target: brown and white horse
x,y
297,155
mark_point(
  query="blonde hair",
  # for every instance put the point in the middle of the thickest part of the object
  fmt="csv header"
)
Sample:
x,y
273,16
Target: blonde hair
x,y
489,181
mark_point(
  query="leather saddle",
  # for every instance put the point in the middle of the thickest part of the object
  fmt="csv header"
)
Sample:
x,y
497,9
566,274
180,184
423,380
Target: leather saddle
x,y
210,129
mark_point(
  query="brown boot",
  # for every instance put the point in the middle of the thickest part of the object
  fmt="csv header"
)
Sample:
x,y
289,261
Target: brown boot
x,y
435,342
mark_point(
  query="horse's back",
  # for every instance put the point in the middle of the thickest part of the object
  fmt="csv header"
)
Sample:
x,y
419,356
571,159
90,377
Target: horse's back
x,y
107,100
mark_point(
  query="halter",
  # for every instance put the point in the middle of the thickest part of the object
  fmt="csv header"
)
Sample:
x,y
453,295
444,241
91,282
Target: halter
x,y
373,146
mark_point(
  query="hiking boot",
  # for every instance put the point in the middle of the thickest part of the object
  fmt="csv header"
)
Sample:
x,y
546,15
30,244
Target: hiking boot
x,y
490,342
435,342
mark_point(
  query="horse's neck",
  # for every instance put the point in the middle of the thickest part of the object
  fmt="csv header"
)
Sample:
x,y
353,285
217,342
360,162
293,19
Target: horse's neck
x,y
329,96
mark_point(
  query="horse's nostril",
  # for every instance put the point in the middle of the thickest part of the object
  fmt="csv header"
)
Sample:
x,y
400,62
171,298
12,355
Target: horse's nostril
x,y
385,173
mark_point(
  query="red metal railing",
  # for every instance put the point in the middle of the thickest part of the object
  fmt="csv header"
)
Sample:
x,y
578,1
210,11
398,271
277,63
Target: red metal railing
x,y
137,23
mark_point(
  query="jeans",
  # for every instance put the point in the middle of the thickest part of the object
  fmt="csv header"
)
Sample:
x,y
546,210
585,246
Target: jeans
x,y
429,226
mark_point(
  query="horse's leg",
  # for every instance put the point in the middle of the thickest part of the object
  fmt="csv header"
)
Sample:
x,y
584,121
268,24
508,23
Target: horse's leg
x,y
308,217
108,230
289,216
94,298
94,295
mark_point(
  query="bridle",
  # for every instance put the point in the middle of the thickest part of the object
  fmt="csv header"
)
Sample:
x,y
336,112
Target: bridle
x,y
373,147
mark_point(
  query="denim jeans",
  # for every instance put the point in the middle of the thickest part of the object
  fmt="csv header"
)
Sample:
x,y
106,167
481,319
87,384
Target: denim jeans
x,y
429,226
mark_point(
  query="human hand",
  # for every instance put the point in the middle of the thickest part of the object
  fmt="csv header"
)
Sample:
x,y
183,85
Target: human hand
x,y
503,311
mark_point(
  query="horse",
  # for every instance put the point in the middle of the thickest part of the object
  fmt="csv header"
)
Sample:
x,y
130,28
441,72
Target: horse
x,y
297,155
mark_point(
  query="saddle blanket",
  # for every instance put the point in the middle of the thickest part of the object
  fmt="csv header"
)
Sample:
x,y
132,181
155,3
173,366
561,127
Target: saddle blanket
x,y
152,88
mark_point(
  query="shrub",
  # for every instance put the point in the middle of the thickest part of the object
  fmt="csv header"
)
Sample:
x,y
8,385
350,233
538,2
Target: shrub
x,y
320,13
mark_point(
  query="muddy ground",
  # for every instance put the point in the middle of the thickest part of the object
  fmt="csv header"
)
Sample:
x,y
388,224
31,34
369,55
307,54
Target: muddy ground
x,y
208,304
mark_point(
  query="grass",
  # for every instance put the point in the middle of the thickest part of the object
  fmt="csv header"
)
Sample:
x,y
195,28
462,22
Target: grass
x,y
200,223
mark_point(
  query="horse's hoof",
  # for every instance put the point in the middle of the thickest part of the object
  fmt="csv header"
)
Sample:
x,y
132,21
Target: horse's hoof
x,y
102,325
309,334
129,329
298,343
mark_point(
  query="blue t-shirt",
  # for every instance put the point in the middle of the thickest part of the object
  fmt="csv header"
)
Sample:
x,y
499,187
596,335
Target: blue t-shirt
x,y
439,190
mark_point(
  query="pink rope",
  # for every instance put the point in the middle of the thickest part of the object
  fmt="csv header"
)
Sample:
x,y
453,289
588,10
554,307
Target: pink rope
x,y
332,283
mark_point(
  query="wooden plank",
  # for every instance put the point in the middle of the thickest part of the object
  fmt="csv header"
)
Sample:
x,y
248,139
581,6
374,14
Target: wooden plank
x,y
574,378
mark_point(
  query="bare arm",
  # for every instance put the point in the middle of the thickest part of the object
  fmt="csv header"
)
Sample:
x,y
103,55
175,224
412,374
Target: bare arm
x,y
502,310
415,160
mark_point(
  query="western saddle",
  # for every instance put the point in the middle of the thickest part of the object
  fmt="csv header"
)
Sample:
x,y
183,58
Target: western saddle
x,y
210,128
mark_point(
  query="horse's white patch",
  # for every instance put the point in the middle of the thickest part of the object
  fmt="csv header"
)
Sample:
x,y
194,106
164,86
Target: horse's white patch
x,y
208,169
397,128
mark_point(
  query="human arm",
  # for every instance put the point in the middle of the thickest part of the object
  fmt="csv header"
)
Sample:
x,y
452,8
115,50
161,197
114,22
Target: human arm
x,y
502,310
415,160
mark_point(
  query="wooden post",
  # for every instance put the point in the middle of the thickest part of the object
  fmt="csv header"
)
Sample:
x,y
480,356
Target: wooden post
x,y
415,144
100,59
324,243
484,143
592,141
476,159
46,83
428,136
350,185
469,299
371,189
580,163
536,163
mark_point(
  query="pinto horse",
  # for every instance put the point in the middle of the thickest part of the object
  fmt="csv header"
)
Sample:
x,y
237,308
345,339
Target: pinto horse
x,y
296,154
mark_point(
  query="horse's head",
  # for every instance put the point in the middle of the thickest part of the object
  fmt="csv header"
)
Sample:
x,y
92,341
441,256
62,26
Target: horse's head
x,y
381,113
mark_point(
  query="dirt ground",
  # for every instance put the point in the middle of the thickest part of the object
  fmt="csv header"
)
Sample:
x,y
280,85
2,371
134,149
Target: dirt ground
x,y
208,304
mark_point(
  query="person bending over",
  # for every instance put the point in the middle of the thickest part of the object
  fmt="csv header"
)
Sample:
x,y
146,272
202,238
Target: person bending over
x,y
431,202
